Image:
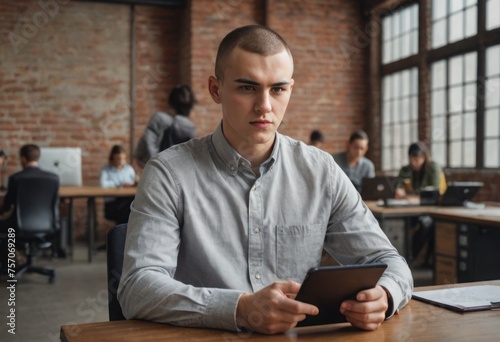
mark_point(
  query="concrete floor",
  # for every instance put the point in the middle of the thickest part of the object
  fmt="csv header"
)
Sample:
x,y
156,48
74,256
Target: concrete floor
x,y
79,295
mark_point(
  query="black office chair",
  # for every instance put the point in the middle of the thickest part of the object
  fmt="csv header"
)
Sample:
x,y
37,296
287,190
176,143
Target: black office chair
x,y
116,247
37,215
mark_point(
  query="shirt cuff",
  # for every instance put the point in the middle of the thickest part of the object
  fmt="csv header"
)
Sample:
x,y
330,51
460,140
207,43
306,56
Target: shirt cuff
x,y
221,310
394,296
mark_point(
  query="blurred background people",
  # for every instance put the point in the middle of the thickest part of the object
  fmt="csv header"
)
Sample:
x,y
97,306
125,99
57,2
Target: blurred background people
x,y
353,161
115,174
181,102
317,138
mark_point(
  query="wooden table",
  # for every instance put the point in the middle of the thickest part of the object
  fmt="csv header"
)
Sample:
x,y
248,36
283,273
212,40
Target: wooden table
x,y
90,193
416,322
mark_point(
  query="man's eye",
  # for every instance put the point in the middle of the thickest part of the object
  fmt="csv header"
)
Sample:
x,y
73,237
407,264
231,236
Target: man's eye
x,y
247,88
277,89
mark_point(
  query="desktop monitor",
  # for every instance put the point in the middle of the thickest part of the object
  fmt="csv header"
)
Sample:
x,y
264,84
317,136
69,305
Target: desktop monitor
x,y
457,193
66,162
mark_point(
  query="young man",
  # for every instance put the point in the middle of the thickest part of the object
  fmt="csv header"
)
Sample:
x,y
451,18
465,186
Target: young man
x,y
224,228
353,161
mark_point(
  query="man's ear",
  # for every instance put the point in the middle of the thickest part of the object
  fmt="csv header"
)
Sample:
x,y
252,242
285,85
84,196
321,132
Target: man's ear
x,y
214,88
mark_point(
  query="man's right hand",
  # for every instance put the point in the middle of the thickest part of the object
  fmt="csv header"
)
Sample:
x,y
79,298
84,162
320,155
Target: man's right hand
x,y
273,309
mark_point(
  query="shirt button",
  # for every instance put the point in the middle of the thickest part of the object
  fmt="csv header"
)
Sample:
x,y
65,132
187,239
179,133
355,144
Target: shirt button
x,y
257,275
254,188
257,230
243,164
232,168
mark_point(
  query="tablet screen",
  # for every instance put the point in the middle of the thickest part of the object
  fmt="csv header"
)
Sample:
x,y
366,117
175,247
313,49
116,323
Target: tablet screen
x,y
327,287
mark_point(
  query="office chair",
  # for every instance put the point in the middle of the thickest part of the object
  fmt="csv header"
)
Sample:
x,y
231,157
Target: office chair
x,y
37,215
115,250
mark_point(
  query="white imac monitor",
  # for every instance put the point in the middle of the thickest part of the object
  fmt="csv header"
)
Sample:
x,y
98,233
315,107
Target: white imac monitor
x,y
66,162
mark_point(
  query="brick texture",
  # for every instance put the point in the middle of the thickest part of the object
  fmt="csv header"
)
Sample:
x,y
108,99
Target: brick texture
x,y
66,71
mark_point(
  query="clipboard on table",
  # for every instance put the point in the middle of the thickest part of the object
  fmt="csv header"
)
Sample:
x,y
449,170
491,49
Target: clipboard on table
x,y
463,299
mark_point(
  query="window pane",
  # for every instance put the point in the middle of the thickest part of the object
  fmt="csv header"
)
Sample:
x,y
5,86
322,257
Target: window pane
x,y
456,98
405,80
438,9
470,125
455,5
492,14
406,19
386,87
438,98
414,108
469,155
405,45
405,110
387,54
438,132
493,60
439,33
414,17
471,21
439,153
492,123
414,81
470,2
396,30
414,42
456,70
456,154
492,92
491,153
387,28
470,67
456,27
470,97
396,86
438,75
455,127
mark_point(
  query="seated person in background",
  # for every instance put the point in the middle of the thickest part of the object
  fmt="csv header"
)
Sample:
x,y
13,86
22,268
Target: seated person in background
x,y
353,161
115,174
224,227
29,155
420,173
181,101
3,159
317,138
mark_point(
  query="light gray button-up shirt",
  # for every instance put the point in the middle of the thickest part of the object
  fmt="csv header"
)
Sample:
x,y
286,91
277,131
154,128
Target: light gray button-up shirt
x,y
204,229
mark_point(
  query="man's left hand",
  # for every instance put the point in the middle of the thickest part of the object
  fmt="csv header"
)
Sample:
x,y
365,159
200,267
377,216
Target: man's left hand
x,y
368,311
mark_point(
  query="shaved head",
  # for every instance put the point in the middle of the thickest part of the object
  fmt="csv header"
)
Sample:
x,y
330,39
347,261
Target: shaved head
x,y
252,38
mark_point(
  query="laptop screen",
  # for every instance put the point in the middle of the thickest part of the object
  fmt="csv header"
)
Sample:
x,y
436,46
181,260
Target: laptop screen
x,y
379,187
459,192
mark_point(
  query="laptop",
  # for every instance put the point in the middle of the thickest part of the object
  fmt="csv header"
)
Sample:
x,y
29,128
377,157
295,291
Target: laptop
x,y
66,162
457,193
378,188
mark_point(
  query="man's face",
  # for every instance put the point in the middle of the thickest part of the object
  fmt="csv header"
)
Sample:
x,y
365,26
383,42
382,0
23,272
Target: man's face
x,y
357,148
254,94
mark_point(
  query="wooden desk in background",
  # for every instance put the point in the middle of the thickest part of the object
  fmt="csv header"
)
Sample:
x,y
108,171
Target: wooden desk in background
x,y
90,193
467,244
416,322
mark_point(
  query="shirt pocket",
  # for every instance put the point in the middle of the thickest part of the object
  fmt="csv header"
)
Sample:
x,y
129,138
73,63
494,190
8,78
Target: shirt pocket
x,y
298,248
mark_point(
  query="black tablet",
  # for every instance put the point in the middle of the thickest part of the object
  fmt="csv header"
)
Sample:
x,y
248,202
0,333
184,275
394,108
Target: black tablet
x,y
327,287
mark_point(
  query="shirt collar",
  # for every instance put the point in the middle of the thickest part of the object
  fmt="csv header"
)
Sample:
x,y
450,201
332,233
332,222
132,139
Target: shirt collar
x,y
232,159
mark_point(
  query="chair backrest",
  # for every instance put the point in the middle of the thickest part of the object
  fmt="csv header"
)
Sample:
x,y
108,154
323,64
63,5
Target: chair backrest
x,y
37,205
115,250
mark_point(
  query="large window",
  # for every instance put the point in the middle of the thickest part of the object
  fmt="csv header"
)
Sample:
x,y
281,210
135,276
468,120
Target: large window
x,y
453,20
460,75
400,34
399,117
453,110
400,89
492,108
